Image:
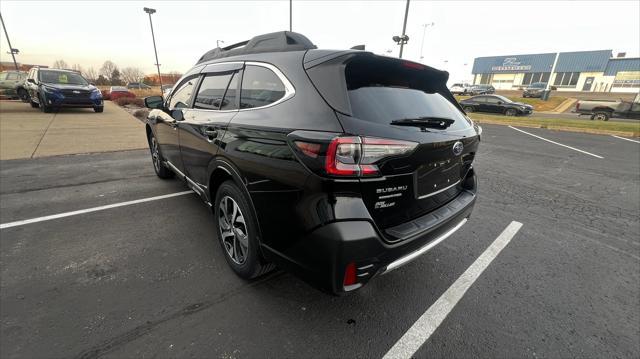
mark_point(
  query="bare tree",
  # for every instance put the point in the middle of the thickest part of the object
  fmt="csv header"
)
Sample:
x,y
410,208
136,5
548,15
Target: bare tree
x,y
108,69
91,74
174,76
131,74
60,64
77,68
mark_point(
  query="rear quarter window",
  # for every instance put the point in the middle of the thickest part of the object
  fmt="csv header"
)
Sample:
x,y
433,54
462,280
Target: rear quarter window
x,y
260,87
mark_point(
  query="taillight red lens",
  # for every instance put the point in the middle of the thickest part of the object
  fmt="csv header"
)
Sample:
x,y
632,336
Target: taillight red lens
x,y
343,156
356,156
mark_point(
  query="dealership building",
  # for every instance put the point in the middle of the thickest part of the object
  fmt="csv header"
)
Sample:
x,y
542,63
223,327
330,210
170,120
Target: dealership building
x,y
584,71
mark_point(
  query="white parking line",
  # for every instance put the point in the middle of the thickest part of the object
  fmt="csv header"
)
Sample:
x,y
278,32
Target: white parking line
x,y
556,143
88,210
626,139
427,324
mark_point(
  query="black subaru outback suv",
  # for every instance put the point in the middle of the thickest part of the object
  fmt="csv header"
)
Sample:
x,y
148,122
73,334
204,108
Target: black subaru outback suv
x,y
335,165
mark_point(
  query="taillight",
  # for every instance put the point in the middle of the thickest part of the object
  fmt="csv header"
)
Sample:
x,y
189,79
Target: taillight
x,y
577,105
356,156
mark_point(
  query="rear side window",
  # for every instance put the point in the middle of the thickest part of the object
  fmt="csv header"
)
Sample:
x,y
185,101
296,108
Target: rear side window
x,y
260,87
181,97
211,91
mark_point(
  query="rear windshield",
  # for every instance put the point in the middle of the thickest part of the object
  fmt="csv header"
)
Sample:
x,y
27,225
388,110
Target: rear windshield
x,y
537,85
384,104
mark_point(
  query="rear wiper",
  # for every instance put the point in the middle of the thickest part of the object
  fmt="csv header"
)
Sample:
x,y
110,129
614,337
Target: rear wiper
x,y
427,121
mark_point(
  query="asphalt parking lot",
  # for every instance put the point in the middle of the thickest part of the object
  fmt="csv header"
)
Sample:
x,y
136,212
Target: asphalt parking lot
x,y
149,279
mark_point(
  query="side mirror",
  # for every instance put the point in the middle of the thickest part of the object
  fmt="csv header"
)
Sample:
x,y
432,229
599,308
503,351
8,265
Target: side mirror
x,y
177,115
153,102
31,81
499,102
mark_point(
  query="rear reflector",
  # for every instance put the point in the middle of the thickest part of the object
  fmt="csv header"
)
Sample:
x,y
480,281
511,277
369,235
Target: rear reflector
x,y
350,275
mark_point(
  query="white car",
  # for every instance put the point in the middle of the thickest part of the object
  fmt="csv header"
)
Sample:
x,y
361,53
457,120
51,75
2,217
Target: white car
x,y
460,89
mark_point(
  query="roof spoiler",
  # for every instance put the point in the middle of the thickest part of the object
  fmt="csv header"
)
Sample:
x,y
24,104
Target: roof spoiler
x,y
273,42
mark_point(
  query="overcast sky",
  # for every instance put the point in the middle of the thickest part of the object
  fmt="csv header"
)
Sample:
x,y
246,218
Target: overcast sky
x,y
90,32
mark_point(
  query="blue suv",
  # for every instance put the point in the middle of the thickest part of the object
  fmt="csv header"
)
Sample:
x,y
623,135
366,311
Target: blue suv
x,y
54,88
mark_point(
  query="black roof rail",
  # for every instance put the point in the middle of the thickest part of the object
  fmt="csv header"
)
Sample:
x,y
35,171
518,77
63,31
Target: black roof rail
x,y
273,42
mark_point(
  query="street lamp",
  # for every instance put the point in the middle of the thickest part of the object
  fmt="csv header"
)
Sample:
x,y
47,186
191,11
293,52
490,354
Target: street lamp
x,y
153,37
402,40
13,51
424,30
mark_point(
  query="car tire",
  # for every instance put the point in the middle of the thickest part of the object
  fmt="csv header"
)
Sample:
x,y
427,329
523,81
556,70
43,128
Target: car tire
x,y
511,112
238,236
44,108
23,95
98,109
601,116
158,161
468,109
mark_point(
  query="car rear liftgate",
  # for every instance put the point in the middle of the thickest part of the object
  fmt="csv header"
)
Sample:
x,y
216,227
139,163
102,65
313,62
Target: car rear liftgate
x,y
409,105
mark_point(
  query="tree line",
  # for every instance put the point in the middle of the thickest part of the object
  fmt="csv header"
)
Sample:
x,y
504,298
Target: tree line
x,y
110,74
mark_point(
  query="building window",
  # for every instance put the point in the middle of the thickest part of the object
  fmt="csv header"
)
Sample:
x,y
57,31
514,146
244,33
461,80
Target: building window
x,y
566,79
485,79
627,79
534,77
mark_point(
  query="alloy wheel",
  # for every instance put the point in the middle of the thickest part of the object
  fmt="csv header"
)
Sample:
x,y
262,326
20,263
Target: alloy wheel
x,y
155,154
233,230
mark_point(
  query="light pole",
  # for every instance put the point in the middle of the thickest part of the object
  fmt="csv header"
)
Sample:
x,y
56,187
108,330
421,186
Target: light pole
x,y
424,30
12,50
290,15
401,40
151,11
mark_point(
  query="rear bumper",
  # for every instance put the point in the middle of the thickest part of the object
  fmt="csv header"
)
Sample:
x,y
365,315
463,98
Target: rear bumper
x,y
323,255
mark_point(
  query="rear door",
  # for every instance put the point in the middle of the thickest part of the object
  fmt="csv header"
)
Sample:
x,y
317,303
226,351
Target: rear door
x,y
215,104
382,91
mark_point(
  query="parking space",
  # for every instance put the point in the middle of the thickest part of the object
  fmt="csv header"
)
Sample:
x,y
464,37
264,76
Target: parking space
x,y
150,279
26,132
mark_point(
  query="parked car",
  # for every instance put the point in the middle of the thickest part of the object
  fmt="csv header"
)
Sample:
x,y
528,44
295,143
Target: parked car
x,y
482,89
315,160
11,84
495,104
51,89
138,86
604,110
536,89
116,92
460,89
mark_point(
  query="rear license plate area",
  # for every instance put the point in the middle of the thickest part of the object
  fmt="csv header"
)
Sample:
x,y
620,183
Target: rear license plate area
x,y
436,177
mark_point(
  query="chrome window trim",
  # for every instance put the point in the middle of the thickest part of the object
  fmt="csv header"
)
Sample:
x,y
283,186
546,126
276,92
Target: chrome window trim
x,y
289,90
